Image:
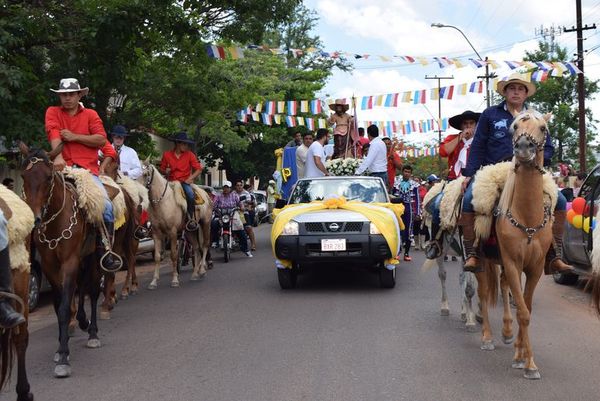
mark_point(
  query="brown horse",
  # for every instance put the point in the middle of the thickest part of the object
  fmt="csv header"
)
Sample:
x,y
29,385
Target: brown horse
x,y
167,213
20,214
66,243
524,234
125,244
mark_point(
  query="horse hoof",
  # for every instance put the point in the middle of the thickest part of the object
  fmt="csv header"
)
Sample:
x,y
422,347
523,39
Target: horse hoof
x,y
25,397
174,284
471,328
532,374
508,340
93,343
518,364
488,345
124,295
84,325
445,312
210,266
152,286
62,371
104,315
463,317
133,291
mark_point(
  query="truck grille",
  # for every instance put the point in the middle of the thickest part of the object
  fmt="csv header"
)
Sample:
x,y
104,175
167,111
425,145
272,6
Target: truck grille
x,y
350,227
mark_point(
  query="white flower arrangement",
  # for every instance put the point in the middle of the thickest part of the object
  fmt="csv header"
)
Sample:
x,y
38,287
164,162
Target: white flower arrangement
x,y
346,166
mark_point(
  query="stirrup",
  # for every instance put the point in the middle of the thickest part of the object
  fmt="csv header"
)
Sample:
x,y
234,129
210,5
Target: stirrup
x,y
433,250
473,269
118,262
141,232
191,225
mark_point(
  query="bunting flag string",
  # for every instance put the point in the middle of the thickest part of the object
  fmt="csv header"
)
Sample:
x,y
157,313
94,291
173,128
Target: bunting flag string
x,y
555,68
405,127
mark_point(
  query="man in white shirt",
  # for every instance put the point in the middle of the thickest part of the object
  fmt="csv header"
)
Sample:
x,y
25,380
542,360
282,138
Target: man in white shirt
x,y
301,152
315,157
376,160
129,162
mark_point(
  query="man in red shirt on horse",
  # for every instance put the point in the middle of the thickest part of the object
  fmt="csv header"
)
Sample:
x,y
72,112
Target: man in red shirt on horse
x,y
181,164
81,132
456,146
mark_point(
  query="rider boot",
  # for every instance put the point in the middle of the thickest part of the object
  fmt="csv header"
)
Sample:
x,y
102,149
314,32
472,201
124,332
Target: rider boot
x,y
191,224
467,221
554,255
107,259
9,318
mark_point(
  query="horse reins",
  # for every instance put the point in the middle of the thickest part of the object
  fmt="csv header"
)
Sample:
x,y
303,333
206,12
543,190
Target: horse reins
x,y
539,146
149,183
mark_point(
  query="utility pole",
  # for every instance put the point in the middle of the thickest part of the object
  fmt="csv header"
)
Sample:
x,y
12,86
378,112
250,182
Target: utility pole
x,y
551,33
488,92
580,83
439,84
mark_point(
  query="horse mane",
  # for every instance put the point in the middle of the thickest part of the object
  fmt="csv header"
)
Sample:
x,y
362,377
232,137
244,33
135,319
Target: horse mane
x,y
509,187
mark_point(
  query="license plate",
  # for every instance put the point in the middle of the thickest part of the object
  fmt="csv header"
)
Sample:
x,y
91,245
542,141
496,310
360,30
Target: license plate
x,y
333,244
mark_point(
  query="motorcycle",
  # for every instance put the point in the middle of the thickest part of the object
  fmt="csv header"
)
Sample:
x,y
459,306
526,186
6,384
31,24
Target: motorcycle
x,y
225,218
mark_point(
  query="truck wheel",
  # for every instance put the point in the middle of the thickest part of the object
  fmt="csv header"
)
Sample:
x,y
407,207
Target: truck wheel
x,y
387,278
287,278
565,278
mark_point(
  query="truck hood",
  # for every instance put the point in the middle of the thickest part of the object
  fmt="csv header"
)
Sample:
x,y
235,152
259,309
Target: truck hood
x,y
328,215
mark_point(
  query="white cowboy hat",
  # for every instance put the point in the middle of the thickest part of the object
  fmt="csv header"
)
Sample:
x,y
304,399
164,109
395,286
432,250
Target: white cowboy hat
x,y
70,85
519,79
339,102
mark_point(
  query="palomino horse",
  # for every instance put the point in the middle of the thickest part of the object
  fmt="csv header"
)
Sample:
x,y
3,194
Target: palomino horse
x,y
20,215
167,215
125,245
66,243
523,231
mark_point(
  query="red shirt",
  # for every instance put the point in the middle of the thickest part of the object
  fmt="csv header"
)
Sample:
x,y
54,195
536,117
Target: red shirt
x,y
452,157
108,151
393,159
181,167
362,141
84,122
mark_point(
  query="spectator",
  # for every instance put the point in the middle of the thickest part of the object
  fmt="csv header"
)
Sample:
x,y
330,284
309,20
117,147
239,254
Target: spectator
x,y
271,199
578,183
376,160
394,163
296,141
315,157
301,152
9,183
362,141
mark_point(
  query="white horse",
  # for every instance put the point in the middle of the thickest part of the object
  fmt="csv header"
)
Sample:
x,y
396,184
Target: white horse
x,y
167,214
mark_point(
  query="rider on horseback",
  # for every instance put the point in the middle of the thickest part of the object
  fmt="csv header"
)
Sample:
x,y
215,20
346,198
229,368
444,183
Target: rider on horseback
x,y
181,164
492,143
81,132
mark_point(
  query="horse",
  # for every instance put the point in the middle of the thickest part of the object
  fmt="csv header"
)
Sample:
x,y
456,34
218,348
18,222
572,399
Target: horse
x,y
167,214
66,243
524,235
20,224
443,238
125,242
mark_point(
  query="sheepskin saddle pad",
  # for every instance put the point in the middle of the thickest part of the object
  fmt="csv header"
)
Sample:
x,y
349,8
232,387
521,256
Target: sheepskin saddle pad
x,y
91,198
450,203
20,223
136,191
487,188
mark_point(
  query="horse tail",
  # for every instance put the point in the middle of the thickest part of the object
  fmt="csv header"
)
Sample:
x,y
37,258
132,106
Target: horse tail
x,y
491,278
6,357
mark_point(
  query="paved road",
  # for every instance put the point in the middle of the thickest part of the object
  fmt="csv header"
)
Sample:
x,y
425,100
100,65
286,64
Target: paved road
x,y
237,336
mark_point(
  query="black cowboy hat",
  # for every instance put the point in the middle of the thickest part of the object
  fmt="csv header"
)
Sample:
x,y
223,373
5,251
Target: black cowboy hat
x,y
119,130
182,137
457,120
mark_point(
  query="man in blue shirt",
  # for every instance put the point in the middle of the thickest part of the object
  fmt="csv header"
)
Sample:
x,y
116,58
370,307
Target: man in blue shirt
x,y
492,144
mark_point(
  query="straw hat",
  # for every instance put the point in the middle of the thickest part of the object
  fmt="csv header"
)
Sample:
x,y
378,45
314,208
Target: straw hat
x,y
519,79
339,102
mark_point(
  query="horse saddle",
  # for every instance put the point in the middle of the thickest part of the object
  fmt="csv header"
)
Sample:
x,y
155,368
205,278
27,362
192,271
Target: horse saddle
x,y
198,200
111,191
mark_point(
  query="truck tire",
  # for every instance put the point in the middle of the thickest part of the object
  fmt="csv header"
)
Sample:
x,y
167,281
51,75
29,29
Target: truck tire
x,y
565,278
287,278
387,278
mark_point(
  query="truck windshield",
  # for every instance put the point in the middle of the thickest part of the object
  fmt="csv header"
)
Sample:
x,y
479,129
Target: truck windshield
x,y
352,188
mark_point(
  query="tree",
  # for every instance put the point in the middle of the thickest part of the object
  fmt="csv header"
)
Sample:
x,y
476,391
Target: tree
x,y
559,97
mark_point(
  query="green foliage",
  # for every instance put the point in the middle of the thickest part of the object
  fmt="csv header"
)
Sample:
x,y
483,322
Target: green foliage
x,y
424,166
559,97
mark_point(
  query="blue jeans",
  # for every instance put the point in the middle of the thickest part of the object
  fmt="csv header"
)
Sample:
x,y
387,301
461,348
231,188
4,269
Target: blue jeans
x,y
467,206
108,215
190,197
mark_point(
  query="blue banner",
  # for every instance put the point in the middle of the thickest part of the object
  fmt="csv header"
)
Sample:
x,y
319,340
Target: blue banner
x,y
289,173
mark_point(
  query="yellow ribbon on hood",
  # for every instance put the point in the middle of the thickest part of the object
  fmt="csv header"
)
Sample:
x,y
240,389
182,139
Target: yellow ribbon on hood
x,y
386,217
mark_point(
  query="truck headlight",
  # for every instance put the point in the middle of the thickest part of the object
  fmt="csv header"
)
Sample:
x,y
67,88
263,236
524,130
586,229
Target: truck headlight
x,y
373,229
290,228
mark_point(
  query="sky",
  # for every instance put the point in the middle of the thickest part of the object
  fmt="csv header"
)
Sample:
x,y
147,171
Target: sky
x,y
500,30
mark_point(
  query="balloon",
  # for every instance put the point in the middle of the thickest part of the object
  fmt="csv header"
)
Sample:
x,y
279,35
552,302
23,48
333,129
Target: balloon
x,y
570,214
579,205
578,221
586,224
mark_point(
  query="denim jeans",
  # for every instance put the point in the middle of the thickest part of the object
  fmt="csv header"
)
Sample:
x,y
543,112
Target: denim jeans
x,y
108,214
190,197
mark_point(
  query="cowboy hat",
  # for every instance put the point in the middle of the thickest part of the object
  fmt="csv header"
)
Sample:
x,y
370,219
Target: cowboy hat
x,y
70,85
519,79
339,102
457,120
119,130
182,137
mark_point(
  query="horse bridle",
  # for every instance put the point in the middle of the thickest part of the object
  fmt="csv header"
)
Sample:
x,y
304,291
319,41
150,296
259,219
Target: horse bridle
x,y
67,233
149,184
539,146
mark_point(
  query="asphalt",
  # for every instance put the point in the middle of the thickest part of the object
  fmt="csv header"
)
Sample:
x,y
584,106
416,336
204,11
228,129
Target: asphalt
x,y
338,336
